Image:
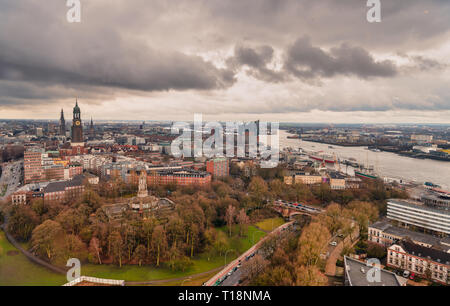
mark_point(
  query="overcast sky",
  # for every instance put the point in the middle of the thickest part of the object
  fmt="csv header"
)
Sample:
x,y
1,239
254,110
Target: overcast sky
x,y
277,60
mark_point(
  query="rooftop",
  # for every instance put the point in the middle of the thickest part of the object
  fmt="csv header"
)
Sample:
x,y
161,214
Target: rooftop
x,y
418,205
424,252
388,228
355,276
62,185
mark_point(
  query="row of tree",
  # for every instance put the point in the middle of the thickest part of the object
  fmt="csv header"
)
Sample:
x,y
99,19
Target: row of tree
x,y
296,259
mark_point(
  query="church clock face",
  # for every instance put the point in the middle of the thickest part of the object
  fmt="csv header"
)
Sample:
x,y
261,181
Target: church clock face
x,y
77,123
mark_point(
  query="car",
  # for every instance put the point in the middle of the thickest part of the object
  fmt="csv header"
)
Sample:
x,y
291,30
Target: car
x,y
405,273
333,243
411,277
229,273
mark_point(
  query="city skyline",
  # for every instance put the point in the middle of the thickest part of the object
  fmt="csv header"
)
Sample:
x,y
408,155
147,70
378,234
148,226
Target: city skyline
x,y
290,61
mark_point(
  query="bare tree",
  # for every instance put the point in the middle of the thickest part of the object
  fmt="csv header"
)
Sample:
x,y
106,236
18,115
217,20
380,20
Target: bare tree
x,y
243,221
94,248
253,267
231,211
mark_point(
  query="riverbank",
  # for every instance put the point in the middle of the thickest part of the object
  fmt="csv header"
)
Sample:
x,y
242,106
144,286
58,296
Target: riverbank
x,y
386,164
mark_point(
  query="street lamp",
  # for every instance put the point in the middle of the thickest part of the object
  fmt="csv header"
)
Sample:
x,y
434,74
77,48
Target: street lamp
x,y
226,256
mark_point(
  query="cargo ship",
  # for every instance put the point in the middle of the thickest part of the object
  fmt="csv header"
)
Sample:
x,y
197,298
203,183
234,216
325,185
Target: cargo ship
x,y
323,157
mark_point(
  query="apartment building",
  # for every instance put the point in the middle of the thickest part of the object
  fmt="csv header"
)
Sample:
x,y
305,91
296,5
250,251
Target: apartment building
x,y
303,178
218,167
40,167
33,165
61,192
51,192
337,181
420,260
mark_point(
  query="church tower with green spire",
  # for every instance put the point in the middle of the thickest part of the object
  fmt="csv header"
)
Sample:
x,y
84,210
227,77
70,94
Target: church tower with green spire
x,y
77,127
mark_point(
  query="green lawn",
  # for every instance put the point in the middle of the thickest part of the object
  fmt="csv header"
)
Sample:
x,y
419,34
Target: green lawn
x,y
17,270
270,224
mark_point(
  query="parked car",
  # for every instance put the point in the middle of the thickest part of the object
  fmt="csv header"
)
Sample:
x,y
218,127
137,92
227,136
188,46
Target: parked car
x,y
405,273
412,276
334,243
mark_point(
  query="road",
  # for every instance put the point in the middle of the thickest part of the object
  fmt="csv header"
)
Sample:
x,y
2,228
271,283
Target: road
x,y
233,278
334,252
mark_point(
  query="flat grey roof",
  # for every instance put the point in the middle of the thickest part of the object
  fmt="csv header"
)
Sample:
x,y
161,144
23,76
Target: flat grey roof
x,y
419,206
388,228
355,277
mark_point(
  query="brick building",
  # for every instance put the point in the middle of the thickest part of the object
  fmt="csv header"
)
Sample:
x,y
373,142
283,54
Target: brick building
x,y
218,167
33,171
51,192
183,177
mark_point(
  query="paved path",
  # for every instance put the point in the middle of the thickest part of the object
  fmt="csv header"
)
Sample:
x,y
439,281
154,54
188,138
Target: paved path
x,y
29,255
330,268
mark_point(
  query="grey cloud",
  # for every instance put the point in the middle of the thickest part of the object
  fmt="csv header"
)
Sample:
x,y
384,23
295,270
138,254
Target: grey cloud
x,y
39,46
257,61
139,47
425,64
404,22
140,70
307,61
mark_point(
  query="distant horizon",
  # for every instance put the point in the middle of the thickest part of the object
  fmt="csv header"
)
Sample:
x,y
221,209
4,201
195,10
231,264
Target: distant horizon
x,y
281,122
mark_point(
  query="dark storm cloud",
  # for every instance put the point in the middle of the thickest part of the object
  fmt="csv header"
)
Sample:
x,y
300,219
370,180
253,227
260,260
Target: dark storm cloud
x,y
257,61
143,46
39,46
307,61
146,71
404,22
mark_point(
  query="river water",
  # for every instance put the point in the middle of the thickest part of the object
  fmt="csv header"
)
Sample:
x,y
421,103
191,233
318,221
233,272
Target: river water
x,y
386,164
